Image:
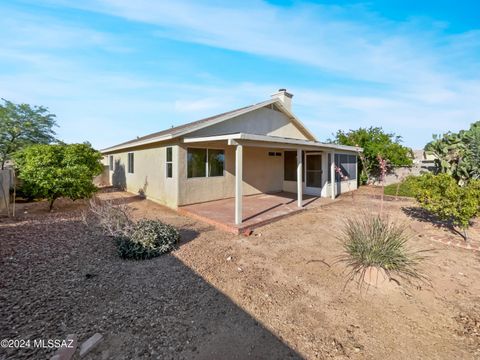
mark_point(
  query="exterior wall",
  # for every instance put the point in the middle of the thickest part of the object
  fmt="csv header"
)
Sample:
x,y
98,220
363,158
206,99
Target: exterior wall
x,y
5,184
341,187
104,178
263,121
261,174
149,177
422,163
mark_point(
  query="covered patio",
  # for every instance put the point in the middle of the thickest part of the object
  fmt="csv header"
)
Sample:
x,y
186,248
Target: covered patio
x,y
258,210
306,186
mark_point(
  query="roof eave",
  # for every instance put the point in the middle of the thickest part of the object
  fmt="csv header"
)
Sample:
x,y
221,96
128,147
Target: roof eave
x,y
137,143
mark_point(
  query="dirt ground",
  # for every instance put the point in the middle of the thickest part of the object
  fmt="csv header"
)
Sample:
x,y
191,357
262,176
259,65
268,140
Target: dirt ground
x,y
274,295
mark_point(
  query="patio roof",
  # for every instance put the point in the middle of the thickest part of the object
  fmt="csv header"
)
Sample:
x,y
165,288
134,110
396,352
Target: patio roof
x,y
272,141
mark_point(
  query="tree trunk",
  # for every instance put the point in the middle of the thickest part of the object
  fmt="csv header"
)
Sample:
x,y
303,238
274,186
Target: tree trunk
x,y
51,204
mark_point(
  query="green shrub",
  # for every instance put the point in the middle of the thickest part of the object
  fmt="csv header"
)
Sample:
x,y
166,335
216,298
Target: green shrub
x,y
147,239
374,241
442,196
58,170
406,188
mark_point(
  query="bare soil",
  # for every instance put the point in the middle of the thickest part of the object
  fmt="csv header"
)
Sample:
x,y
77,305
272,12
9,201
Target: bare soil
x,y
277,294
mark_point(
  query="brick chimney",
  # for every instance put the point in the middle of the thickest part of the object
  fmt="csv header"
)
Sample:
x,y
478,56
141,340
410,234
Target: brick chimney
x,y
285,97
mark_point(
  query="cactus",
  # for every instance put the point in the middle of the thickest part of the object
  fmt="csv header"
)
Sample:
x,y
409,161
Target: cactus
x,y
458,154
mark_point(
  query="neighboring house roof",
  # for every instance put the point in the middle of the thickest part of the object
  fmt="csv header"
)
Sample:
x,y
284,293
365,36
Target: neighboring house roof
x,y
185,129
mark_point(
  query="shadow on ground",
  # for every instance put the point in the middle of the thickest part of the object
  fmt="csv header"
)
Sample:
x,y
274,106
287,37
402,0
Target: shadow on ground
x,y
59,277
422,215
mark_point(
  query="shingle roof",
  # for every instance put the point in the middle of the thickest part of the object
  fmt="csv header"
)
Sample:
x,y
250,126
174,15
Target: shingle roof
x,y
181,128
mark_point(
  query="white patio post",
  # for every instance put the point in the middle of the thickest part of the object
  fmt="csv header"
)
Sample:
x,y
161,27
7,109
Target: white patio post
x,y
238,183
332,175
299,178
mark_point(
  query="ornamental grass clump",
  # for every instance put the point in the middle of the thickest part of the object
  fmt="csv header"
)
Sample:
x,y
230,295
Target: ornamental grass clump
x,y
375,241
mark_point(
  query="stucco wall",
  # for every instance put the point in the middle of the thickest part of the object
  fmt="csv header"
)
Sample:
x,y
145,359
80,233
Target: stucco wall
x,y
263,121
261,173
104,178
149,177
5,182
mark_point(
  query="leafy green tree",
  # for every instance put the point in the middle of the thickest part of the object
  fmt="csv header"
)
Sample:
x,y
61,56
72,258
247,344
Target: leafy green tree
x,y
22,125
458,154
443,196
375,142
53,171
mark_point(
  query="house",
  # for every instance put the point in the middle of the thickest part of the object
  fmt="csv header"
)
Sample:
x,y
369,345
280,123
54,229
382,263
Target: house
x,y
260,148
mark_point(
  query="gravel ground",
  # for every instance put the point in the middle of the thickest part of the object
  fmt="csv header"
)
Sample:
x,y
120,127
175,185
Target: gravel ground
x,y
274,295
59,277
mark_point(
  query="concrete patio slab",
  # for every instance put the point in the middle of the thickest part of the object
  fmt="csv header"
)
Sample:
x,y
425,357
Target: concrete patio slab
x,y
258,210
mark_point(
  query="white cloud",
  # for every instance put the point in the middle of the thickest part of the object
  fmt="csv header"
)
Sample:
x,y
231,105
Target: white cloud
x,y
393,74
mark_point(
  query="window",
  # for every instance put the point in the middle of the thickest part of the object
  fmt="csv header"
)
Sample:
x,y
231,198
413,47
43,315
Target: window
x,y
216,161
290,166
130,163
205,162
110,161
169,163
347,165
272,153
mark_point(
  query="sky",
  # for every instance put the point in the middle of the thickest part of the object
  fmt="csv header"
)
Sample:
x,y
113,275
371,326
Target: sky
x,y
112,70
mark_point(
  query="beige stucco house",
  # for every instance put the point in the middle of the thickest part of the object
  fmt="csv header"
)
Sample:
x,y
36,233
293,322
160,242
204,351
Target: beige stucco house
x,y
261,148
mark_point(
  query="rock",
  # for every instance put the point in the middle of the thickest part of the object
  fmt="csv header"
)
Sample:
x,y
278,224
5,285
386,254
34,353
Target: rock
x,y
66,353
239,269
90,344
375,276
229,258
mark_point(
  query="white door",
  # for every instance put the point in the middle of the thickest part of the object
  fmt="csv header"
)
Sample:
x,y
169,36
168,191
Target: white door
x,y
313,174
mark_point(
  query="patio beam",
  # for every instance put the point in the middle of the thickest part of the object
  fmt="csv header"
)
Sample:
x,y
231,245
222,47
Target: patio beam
x,y
238,183
299,178
332,175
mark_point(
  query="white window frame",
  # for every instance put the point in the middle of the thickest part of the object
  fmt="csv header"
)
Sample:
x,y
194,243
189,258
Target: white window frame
x,y
110,163
133,163
168,162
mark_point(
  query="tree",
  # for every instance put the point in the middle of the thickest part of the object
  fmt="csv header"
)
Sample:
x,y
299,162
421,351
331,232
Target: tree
x,y
458,154
441,195
52,171
375,142
22,125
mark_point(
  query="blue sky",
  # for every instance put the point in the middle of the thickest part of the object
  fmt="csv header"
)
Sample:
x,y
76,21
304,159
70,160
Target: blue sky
x,y
115,69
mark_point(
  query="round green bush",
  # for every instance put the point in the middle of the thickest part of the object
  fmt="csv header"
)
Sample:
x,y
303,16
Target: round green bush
x,y
147,239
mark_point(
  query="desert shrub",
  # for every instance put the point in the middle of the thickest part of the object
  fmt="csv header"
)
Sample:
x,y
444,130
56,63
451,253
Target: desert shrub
x,y
375,241
147,239
114,219
406,188
135,240
442,196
